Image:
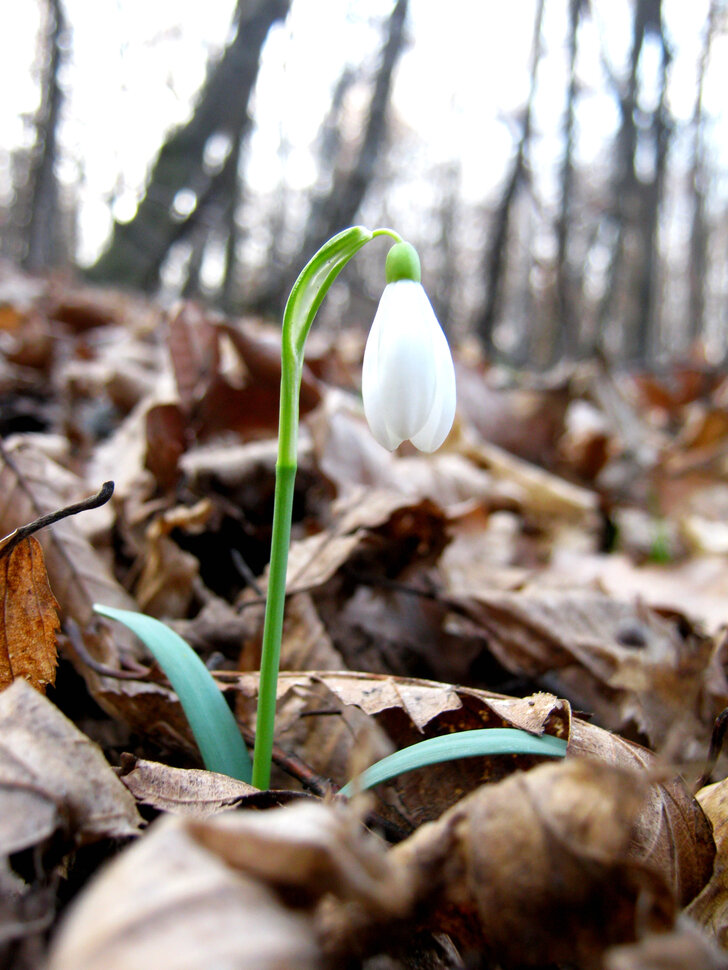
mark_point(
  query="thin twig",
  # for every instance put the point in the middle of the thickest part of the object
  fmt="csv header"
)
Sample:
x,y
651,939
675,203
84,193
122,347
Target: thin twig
x,y
246,572
74,635
95,501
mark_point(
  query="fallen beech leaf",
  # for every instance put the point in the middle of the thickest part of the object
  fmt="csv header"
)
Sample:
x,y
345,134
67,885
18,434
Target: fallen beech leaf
x,y
170,904
311,848
29,622
53,775
710,908
547,866
620,659
183,791
194,351
409,709
685,948
32,485
166,439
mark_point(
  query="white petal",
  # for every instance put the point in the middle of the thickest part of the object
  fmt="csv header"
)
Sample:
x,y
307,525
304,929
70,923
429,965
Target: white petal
x,y
406,373
373,406
438,424
408,379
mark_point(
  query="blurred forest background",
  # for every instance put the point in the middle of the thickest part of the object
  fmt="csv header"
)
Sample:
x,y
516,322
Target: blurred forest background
x,y
580,209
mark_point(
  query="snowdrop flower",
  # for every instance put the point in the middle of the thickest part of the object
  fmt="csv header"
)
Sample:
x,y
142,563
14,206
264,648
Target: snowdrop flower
x,y
408,378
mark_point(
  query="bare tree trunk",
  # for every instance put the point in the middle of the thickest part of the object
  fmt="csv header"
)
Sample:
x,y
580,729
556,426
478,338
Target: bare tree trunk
x,y
138,248
495,258
647,288
565,282
337,209
42,235
232,227
631,290
699,233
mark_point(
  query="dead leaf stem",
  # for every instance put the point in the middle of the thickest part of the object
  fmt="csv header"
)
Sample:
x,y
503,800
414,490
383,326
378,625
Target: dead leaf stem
x,y
24,531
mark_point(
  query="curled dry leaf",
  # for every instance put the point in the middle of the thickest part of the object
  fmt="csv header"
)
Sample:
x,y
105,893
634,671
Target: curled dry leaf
x,y
169,903
620,659
29,621
309,849
183,791
710,909
547,866
685,947
409,710
32,485
53,775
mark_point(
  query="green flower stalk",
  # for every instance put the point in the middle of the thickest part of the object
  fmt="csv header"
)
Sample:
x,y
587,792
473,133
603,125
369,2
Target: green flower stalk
x,y
409,392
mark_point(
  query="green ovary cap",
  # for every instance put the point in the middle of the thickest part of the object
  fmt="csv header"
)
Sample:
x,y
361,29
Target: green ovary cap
x,y
403,263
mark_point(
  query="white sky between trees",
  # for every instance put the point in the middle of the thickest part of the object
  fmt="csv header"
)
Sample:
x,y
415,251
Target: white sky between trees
x,y
137,65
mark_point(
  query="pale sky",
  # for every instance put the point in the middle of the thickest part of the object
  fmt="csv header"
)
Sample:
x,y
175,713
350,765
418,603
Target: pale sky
x,y
137,65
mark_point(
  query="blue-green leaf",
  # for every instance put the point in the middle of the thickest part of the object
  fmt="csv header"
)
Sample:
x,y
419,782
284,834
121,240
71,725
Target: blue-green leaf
x,y
211,720
463,744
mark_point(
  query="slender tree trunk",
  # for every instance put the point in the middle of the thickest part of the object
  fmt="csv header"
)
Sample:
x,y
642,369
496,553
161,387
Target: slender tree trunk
x,y
347,194
337,209
42,236
647,288
565,283
496,254
699,232
138,248
630,294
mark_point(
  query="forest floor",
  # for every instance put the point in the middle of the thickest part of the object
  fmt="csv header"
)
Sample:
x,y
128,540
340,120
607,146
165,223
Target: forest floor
x,y
559,566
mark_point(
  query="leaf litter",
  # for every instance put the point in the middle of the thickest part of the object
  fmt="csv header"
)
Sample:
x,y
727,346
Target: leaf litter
x,y
558,567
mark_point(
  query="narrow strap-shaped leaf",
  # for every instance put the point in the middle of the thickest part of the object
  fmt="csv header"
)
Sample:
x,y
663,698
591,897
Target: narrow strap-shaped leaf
x,y
211,720
464,744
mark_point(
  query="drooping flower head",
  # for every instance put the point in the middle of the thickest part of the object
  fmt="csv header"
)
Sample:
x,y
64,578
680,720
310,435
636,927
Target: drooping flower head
x,y
408,378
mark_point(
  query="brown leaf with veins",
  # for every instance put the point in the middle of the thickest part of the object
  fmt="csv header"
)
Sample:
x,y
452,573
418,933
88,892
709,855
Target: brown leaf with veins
x,y
549,865
685,948
29,619
710,909
183,791
31,485
169,903
53,776
410,710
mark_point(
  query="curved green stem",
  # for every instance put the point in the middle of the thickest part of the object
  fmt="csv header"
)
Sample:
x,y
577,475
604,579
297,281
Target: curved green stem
x,y
306,297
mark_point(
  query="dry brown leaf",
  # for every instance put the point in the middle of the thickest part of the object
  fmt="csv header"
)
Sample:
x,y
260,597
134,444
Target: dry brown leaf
x,y
29,621
710,909
194,351
546,866
183,791
53,775
685,948
311,848
539,492
32,485
409,710
166,441
168,903
619,659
